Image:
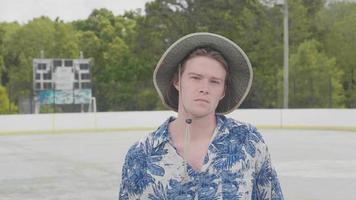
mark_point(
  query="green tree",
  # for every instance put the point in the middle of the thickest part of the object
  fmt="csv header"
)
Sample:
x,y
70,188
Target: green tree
x,y
315,81
6,107
118,73
6,31
22,47
337,27
268,55
56,39
4,100
2,67
64,44
299,24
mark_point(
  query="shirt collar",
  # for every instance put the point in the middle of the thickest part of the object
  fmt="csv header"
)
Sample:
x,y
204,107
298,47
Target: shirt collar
x,y
161,135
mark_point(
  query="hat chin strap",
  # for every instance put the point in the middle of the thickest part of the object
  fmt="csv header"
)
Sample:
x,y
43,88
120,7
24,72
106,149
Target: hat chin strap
x,y
188,122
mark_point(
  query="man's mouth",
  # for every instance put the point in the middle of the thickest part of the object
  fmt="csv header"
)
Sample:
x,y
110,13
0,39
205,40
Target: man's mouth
x,y
201,100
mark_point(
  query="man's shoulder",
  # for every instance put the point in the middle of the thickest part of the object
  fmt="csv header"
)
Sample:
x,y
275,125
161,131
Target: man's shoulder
x,y
241,128
151,139
140,147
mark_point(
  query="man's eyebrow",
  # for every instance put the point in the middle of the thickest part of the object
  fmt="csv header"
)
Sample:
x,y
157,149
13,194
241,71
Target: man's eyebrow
x,y
195,74
213,77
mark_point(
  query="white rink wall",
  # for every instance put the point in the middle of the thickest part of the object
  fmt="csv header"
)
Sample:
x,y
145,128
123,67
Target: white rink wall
x,y
339,119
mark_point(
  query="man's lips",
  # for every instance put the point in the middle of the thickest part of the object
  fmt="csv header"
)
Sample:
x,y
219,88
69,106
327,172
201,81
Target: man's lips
x,y
201,100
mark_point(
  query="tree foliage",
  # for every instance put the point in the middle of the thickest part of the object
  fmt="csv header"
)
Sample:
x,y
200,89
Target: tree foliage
x,y
315,80
2,67
337,27
125,49
6,107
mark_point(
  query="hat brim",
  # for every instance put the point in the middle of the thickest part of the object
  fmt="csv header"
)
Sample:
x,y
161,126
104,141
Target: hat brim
x,y
240,70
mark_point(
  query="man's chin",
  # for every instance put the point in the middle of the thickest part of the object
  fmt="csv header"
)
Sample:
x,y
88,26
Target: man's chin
x,y
201,113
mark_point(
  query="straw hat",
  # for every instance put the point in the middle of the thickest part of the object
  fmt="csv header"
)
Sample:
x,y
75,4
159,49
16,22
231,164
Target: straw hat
x,y
240,70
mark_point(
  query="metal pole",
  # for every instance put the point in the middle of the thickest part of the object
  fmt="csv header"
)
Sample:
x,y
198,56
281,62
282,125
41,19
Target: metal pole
x,y
285,56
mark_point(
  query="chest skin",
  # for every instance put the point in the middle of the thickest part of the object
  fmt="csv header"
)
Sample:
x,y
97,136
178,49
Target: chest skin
x,y
196,153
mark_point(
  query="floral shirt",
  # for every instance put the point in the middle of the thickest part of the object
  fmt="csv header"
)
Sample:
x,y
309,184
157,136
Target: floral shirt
x,y
237,166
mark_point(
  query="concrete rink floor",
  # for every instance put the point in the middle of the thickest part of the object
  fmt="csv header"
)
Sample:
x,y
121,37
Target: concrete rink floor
x,y
312,165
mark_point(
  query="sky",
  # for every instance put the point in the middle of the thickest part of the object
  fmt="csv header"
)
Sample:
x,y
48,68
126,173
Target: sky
x,y
67,10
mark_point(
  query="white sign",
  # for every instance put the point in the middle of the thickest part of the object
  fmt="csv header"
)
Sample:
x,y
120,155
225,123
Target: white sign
x,y
64,78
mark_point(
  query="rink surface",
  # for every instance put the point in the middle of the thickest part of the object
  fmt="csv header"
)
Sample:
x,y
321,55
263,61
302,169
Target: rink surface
x,y
312,165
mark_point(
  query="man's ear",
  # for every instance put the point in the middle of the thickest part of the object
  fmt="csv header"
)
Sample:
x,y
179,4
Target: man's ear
x,y
176,81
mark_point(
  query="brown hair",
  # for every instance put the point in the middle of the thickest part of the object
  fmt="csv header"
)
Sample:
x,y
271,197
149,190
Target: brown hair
x,y
201,51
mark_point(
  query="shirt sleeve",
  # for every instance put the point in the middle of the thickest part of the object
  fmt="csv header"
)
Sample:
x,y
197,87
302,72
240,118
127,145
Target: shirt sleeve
x,y
123,192
126,185
267,186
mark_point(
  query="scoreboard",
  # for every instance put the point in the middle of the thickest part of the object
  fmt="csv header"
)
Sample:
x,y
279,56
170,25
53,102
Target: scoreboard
x,y
62,81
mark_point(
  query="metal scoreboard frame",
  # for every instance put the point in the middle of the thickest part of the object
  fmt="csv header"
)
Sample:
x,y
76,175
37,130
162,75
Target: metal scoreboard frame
x,y
62,81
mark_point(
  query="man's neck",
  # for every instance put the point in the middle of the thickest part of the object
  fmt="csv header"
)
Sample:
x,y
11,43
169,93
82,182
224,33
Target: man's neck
x,y
200,127
201,131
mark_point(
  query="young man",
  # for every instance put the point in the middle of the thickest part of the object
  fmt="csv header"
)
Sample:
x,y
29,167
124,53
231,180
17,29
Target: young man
x,y
201,154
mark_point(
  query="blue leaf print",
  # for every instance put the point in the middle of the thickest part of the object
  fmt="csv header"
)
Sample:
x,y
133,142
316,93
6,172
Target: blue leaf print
x,y
262,195
230,185
207,186
162,131
158,192
180,191
154,155
191,172
276,188
227,154
156,170
206,159
140,166
136,178
140,180
123,195
229,145
243,136
254,190
265,174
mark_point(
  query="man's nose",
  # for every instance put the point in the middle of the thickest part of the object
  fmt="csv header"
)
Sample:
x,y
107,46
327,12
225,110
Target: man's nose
x,y
204,87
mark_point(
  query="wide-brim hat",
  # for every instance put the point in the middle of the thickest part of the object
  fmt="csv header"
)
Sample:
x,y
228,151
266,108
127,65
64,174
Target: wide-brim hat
x,y
239,66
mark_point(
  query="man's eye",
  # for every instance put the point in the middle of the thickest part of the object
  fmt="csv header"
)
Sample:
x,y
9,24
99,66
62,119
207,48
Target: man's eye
x,y
195,77
215,82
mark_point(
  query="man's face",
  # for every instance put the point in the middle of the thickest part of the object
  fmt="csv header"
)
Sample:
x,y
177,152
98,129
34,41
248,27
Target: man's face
x,y
202,86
